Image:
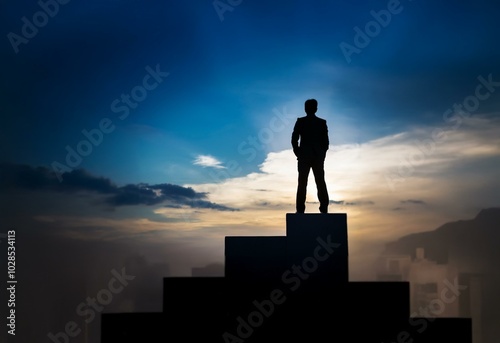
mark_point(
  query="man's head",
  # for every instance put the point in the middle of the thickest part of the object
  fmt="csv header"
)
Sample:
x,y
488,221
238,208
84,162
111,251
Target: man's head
x,y
311,106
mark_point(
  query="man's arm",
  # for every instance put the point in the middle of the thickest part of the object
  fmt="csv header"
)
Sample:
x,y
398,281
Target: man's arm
x,y
295,138
326,141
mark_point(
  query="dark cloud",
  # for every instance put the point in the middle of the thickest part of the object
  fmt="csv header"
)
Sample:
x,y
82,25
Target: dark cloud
x,y
337,202
359,203
352,203
175,196
145,194
210,205
268,204
413,201
21,176
25,177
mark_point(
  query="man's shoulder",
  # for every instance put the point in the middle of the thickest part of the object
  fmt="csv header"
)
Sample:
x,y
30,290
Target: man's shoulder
x,y
306,119
311,118
319,120
300,120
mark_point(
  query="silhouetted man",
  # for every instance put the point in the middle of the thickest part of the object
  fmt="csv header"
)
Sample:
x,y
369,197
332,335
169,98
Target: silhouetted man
x,y
312,132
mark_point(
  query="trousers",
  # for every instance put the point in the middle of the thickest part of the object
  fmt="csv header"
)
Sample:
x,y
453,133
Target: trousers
x,y
304,166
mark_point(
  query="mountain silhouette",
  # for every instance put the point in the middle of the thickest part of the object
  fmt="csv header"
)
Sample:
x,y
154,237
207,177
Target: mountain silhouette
x,y
471,242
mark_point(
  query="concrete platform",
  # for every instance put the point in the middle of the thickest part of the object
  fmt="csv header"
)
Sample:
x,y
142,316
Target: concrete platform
x,y
286,288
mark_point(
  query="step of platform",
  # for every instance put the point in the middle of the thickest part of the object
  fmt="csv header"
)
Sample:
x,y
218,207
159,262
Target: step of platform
x,y
185,294
255,258
196,302
317,244
134,327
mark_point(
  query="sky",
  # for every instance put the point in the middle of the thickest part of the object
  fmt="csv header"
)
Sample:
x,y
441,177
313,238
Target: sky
x,y
139,135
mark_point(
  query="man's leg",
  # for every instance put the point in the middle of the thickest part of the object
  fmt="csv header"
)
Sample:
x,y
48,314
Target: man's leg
x,y
300,202
319,177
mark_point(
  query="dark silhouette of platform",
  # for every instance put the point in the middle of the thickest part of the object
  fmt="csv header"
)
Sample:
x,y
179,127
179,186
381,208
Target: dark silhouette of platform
x,y
285,288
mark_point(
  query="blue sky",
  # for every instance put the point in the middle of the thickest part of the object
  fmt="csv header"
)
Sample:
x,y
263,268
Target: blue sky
x,y
226,77
204,150
217,93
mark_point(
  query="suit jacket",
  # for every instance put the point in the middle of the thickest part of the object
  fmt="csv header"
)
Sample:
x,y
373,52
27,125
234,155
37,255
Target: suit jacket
x,y
312,132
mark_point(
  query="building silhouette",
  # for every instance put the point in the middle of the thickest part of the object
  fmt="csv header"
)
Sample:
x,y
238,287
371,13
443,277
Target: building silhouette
x,y
283,288
437,289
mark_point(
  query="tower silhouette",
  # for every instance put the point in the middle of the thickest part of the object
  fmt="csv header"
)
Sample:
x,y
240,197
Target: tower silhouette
x,y
284,288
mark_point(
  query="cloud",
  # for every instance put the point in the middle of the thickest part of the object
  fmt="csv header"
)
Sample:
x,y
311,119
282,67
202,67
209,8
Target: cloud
x,y
413,201
25,177
22,176
438,181
210,205
351,203
208,161
145,194
453,179
456,173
